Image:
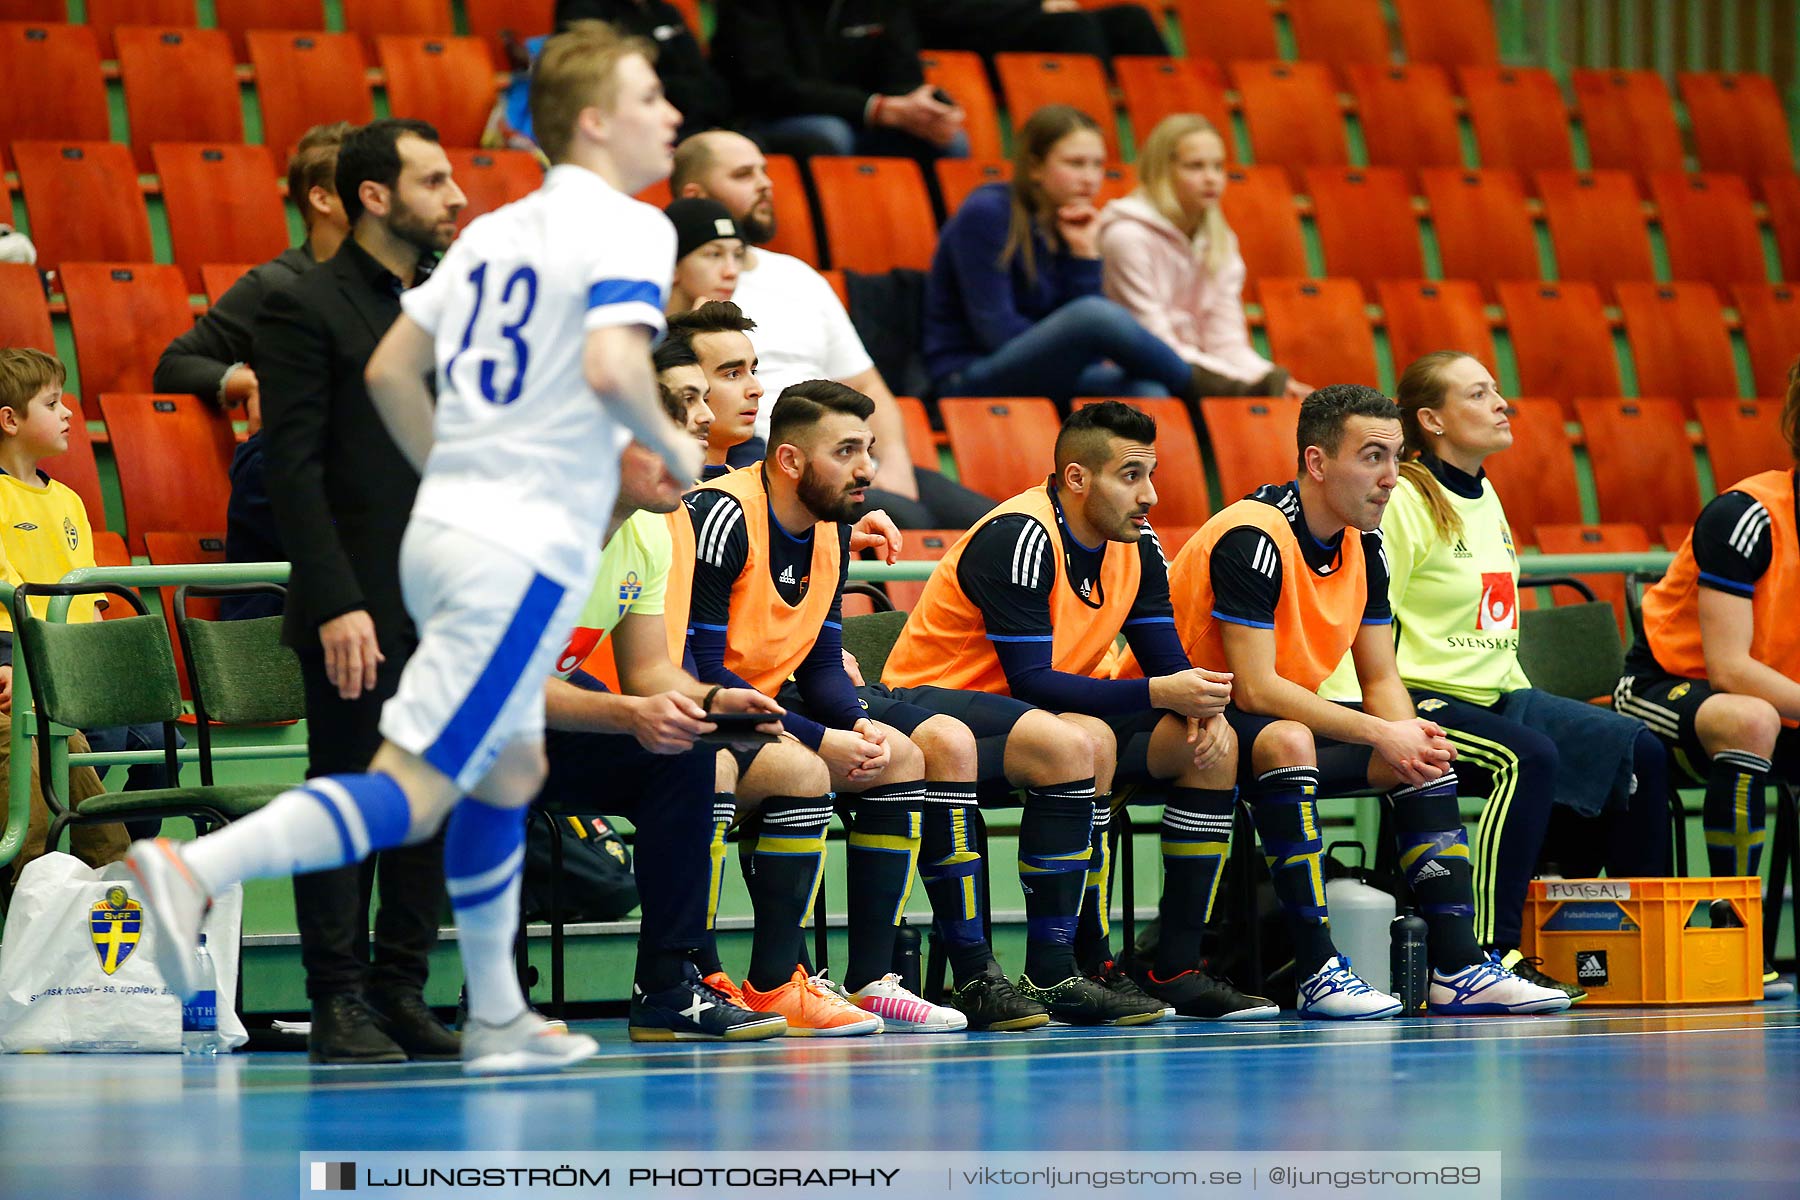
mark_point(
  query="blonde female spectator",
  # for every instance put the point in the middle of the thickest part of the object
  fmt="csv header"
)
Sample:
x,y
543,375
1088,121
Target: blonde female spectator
x,y
1170,259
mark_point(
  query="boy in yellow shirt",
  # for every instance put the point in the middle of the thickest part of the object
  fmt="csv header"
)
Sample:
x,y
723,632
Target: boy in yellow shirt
x,y
44,534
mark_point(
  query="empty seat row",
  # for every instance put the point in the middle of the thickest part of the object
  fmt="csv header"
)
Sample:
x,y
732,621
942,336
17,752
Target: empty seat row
x,y
367,19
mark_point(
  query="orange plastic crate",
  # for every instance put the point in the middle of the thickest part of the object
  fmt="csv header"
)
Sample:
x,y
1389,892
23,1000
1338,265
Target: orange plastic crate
x,y
1630,941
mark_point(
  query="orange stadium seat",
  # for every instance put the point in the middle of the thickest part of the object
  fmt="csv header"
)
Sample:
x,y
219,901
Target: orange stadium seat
x,y
1227,30
1738,122
919,545
957,177
1259,205
54,90
173,455
24,313
1597,224
370,19
1318,330
1536,476
1642,461
169,548
1560,340
446,81
1782,194
877,213
1450,33
105,16
794,232
921,442
1408,115
1030,81
488,19
1181,497
961,73
239,17
122,316
37,11
1709,228
1743,437
307,79
1598,539
1424,315
223,205
216,278
110,551
1678,340
84,202
1291,110
1483,231
1001,443
1674,534
1339,32
491,178
838,285
75,467
1155,88
1366,225
180,86
1629,119
1771,317
1252,442
1519,118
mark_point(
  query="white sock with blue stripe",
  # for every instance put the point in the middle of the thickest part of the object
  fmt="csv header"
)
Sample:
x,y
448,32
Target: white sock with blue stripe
x,y
484,853
330,821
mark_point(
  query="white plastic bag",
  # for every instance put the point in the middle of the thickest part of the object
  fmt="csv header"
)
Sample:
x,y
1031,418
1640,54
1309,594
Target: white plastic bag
x,y
76,968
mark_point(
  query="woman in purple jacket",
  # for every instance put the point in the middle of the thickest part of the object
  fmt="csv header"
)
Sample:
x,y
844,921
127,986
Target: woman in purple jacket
x,y
1013,305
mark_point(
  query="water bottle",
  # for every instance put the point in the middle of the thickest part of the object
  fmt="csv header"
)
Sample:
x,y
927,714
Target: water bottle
x,y
906,957
200,1014
1360,916
1410,971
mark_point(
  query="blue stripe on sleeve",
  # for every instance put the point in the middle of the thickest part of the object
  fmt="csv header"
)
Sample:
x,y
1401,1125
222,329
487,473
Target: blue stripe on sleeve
x,y
624,291
1231,620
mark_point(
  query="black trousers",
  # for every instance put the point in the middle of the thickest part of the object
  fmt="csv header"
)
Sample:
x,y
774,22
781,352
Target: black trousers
x,y
331,908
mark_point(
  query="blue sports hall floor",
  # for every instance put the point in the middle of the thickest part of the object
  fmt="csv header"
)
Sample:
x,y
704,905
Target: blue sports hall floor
x,y
1598,1102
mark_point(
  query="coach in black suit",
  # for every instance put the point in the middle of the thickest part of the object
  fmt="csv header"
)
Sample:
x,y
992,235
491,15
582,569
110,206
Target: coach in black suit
x,y
342,493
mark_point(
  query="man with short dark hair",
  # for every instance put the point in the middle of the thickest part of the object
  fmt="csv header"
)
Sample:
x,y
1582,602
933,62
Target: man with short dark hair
x,y
771,556
1277,588
1029,604
342,492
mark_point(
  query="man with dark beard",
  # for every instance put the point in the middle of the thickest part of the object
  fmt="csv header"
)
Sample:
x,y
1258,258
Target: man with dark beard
x,y
771,555
342,492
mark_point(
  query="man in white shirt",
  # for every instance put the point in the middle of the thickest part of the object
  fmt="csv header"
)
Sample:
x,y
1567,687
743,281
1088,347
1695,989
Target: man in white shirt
x,y
803,332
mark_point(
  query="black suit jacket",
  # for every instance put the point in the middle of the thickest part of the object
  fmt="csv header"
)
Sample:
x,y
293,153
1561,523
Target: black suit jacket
x,y
342,491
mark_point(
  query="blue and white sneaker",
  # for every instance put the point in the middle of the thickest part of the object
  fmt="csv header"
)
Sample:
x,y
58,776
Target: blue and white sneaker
x,y
1336,993
699,1010
1489,989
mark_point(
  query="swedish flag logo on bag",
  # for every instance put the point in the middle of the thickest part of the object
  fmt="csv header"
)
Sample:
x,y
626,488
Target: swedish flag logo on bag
x,y
114,925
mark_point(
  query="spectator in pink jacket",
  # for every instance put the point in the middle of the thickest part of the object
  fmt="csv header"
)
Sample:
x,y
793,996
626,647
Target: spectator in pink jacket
x,y
1170,259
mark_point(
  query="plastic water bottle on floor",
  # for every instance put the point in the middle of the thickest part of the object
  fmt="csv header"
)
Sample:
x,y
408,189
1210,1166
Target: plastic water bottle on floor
x,y
200,1014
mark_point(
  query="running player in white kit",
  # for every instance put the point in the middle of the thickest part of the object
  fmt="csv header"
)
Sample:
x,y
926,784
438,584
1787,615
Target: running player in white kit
x,y
539,322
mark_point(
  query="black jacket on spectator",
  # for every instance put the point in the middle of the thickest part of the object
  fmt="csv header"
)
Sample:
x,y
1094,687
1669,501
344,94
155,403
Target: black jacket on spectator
x,y
196,362
990,26
341,489
787,58
688,79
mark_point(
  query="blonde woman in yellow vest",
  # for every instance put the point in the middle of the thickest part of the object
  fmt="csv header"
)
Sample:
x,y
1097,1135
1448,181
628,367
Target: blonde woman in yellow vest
x,y
1715,672
1278,588
1453,587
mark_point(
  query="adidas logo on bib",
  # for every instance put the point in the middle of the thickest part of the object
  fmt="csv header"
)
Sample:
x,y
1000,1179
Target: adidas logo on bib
x,y
1431,870
787,575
